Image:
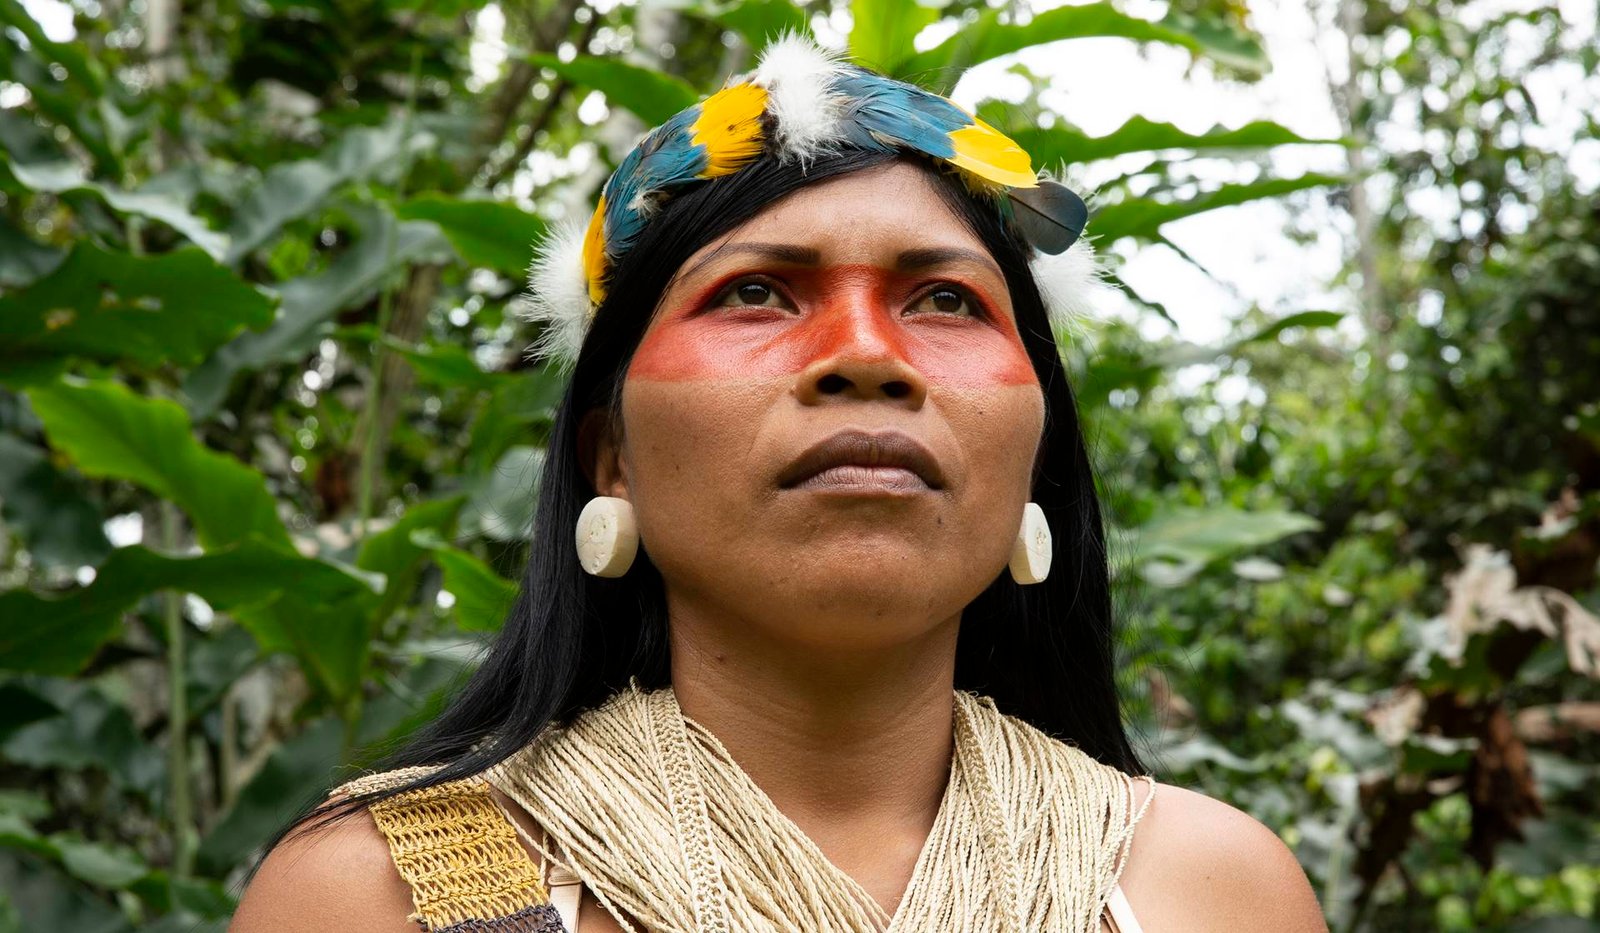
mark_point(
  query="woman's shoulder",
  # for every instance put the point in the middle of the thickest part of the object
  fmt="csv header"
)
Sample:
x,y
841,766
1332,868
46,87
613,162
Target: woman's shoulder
x,y
1198,860
428,858
333,876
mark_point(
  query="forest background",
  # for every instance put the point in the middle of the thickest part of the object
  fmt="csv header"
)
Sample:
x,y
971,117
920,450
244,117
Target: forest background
x,y
269,440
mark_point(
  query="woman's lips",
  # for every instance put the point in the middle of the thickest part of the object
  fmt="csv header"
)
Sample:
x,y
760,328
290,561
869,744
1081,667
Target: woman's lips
x,y
856,477
856,460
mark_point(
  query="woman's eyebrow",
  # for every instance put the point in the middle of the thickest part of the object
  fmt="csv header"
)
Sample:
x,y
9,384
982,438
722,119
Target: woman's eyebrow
x,y
908,261
913,259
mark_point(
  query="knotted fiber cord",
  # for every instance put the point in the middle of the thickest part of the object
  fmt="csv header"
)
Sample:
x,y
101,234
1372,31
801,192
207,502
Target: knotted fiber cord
x,y
650,810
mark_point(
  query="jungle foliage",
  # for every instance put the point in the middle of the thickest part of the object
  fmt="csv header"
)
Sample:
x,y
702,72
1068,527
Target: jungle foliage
x,y
268,438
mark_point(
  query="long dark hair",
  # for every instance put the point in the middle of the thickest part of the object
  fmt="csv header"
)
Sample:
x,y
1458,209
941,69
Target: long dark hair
x,y
1043,652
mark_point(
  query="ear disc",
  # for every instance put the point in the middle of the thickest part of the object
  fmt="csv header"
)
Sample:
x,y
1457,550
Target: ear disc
x,y
1050,216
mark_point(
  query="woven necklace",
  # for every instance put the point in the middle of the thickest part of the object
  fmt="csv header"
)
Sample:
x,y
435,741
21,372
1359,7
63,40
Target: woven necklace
x,y
651,812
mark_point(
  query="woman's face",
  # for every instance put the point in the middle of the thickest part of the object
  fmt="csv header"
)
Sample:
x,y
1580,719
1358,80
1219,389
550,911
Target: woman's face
x,y
830,425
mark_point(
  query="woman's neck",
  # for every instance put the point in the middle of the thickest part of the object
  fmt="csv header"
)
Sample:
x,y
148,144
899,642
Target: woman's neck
x,y
855,750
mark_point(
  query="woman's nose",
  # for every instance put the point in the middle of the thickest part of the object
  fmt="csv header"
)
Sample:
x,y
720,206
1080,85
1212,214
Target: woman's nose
x,y
861,354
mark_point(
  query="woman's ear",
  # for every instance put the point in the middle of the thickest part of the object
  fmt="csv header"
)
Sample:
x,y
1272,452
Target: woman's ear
x,y
600,454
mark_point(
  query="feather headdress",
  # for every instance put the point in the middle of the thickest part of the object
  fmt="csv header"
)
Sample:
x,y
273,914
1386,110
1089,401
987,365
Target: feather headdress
x,y
801,102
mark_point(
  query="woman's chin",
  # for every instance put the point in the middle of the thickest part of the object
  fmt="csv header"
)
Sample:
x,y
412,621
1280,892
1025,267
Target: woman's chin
x,y
870,599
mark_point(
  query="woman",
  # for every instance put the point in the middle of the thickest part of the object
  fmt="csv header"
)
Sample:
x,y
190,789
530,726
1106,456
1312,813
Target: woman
x,y
829,485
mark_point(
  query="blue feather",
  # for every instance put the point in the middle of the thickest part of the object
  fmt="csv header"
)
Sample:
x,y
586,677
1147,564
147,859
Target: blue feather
x,y
666,158
883,113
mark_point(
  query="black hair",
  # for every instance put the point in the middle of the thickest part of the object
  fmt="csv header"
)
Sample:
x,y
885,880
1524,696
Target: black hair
x,y
1043,652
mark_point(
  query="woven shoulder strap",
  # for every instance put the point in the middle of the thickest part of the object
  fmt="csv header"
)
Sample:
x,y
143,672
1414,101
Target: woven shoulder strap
x,y
459,853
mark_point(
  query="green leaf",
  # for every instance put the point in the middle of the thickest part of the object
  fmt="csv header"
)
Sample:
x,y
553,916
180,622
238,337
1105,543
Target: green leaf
x,y
490,234
99,864
447,365
1144,217
392,553
21,706
91,731
81,69
522,401
988,38
308,304
482,596
653,95
291,190
58,635
215,660
416,696
1307,319
67,178
503,499
117,307
46,898
330,638
1179,542
881,31
108,431
1066,145
48,508
23,259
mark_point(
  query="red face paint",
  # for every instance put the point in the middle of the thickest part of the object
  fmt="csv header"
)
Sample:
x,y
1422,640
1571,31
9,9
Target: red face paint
x,y
840,311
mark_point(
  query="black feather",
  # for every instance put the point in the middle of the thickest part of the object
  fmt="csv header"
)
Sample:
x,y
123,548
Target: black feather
x,y
1050,216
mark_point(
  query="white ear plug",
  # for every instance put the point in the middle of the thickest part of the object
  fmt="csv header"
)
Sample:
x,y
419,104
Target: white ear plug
x,y
608,536
1031,552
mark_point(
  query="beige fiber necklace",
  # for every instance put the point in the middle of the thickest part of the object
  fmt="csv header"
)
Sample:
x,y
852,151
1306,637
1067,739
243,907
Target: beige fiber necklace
x,y
651,812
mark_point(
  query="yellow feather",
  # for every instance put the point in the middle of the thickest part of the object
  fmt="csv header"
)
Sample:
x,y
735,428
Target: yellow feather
x,y
992,155
729,126
594,255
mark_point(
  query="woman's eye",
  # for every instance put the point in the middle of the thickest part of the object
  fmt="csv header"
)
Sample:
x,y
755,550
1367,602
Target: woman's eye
x,y
749,293
947,300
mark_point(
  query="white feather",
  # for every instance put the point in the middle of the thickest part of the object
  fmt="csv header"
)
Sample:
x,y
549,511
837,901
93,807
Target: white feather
x,y
558,295
1072,284
798,75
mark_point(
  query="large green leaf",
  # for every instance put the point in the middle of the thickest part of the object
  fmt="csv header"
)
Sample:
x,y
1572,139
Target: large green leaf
x,y
108,431
309,304
447,365
1178,542
117,307
519,403
331,638
59,634
291,190
483,597
1143,217
67,178
1065,145
91,731
881,31
988,38
503,499
484,233
80,67
653,95
392,553
46,898
101,865
22,258
1310,320
48,508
